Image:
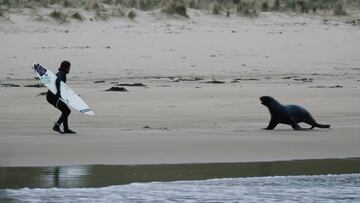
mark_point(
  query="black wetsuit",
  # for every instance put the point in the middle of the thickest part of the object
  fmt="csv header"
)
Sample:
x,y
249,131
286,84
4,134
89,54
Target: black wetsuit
x,y
54,99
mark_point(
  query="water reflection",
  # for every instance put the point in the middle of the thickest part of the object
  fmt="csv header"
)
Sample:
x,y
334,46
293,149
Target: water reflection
x,y
65,176
106,175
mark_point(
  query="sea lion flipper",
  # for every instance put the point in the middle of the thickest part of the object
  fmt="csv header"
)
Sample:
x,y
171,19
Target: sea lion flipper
x,y
272,124
321,125
295,126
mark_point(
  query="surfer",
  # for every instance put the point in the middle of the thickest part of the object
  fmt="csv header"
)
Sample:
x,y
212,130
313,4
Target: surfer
x,y
54,99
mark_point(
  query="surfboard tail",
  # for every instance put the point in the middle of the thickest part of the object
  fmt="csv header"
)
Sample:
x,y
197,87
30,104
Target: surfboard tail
x,y
34,65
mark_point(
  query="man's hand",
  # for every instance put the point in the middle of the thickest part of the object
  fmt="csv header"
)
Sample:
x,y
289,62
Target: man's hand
x,y
58,95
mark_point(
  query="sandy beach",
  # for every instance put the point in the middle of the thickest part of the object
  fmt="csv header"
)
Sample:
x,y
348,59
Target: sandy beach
x,y
181,115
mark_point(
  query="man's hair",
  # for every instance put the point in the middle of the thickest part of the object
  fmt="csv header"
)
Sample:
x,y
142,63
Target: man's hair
x,y
64,66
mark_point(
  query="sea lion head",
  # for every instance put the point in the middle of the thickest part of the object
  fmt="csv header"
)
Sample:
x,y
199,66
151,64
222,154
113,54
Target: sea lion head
x,y
269,102
266,100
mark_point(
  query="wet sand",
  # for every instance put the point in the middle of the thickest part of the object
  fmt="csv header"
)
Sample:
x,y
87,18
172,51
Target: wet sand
x,y
94,176
178,117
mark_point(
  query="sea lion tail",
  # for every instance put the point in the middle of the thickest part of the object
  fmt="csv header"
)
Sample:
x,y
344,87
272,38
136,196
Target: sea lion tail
x,y
321,126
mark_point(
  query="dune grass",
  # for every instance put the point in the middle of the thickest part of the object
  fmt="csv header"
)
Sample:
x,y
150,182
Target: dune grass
x,y
174,7
77,16
131,15
306,6
276,6
120,8
58,15
216,8
339,9
265,6
248,8
118,11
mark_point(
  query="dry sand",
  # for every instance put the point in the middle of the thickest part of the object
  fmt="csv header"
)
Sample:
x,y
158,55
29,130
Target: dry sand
x,y
296,59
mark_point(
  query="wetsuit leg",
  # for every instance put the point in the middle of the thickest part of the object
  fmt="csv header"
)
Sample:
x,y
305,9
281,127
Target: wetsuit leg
x,y
65,112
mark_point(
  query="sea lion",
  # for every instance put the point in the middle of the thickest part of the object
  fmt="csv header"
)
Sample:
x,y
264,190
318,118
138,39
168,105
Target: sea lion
x,y
288,114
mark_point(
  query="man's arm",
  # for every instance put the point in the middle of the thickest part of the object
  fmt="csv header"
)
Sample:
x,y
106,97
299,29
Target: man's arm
x,y
57,84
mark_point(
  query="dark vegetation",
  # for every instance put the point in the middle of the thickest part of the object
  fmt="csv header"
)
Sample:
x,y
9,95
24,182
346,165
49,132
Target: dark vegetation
x,y
103,9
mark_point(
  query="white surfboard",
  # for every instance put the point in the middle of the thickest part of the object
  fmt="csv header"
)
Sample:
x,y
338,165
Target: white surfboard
x,y
68,96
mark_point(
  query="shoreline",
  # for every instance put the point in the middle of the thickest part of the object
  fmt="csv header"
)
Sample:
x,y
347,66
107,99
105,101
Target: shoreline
x,y
95,176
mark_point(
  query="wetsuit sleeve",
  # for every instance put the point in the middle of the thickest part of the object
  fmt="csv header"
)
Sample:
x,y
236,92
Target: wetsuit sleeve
x,y
60,77
57,84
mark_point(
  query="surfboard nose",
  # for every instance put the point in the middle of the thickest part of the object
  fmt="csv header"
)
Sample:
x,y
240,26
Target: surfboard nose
x,y
88,112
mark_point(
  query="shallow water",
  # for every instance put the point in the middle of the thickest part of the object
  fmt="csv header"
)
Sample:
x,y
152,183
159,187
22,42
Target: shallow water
x,y
326,188
279,181
95,176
